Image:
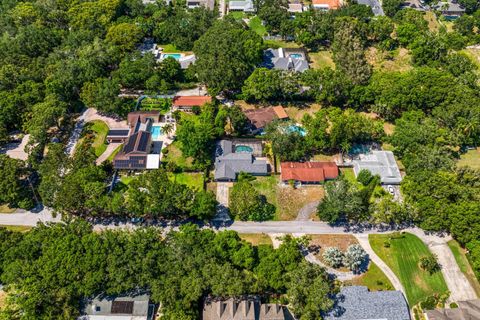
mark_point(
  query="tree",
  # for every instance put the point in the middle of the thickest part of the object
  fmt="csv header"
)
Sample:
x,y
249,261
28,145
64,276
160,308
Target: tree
x,y
226,55
355,258
364,177
204,205
50,170
333,257
12,189
308,291
429,263
124,35
391,7
287,144
101,94
262,85
348,51
274,14
428,49
168,129
247,204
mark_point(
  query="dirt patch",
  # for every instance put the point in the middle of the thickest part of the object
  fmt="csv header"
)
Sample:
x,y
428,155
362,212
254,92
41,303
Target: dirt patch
x,y
296,113
256,238
399,60
3,299
290,200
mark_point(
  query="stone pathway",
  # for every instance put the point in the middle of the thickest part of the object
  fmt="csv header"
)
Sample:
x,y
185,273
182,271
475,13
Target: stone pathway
x,y
363,240
306,212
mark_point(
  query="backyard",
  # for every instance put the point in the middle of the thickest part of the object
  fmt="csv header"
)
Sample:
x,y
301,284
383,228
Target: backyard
x,y
321,59
464,264
175,156
403,256
288,201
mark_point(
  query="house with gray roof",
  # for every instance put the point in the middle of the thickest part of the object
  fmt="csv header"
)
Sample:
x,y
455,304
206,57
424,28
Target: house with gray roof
x,y
291,59
241,5
119,308
380,163
230,160
357,303
449,8
243,309
374,5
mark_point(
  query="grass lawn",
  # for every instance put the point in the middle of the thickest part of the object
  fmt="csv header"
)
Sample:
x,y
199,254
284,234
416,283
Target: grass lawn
x,y
100,130
237,15
471,159
464,265
281,44
256,238
17,228
296,113
175,155
474,55
256,25
321,59
397,60
4,208
324,157
287,201
433,23
374,279
169,48
191,180
403,257
127,179
349,175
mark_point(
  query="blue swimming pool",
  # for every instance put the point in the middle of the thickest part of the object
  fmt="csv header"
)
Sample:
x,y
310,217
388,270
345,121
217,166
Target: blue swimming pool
x,y
175,56
156,132
298,129
296,56
243,149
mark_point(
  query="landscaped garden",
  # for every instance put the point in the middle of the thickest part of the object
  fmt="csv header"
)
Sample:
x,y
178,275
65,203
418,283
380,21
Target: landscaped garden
x,y
402,253
287,200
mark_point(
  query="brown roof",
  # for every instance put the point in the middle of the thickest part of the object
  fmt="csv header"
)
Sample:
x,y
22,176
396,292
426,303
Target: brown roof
x,y
133,117
243,309
191,101
467,310
309,171
332,4
262,116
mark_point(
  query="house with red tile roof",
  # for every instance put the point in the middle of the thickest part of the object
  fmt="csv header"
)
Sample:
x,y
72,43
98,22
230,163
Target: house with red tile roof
x,y
260,117
326,4
186,103
308,172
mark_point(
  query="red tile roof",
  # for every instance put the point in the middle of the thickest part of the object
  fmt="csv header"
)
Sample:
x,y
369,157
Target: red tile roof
x,y
309,171
331,4
280,112
191,101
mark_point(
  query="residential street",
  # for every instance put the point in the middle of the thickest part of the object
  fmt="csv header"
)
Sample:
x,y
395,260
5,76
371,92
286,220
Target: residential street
x,y
457,283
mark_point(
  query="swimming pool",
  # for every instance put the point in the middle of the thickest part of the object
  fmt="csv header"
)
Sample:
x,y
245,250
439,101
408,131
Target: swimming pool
x,y
175,56
156,132
296,56
298,129
243,149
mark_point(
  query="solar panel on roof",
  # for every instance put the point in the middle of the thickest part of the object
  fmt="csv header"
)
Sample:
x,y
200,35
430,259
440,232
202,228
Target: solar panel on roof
x,y
143,144
129,147
125,307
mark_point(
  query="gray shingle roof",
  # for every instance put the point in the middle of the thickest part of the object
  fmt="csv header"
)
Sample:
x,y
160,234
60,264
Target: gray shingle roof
x,y
279,59
357,303
228,163
124,307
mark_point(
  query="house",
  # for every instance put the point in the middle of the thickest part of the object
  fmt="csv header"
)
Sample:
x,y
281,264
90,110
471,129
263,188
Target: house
x,y
295,6
291,59
259,118
139,150
449,8
467,310
326,4
209,4
117,135
380,163
357,302
241,5
121,308
308,172
231,159
374,5
243,309
186,103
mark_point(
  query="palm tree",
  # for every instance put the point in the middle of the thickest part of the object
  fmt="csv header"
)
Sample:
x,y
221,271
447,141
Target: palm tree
x,y
168,129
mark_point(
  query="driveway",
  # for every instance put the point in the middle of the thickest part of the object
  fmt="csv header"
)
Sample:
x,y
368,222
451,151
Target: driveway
x,y
223,191
17,150
104,156
306,212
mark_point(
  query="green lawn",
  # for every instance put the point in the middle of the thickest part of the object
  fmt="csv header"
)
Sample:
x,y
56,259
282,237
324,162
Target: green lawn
x,y
256,238
5,208
169,48
374,279
175,155
237,15
256,25
464,265
281,44
17,228
191,180
114,153
100,130
349,175
321,59
470,159
403,257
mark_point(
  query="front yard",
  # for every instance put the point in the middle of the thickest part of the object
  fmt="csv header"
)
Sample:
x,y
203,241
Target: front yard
x,y
403,257
288,201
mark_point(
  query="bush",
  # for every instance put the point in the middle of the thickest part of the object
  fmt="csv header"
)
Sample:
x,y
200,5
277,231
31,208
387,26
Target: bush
x,y
333,257
453,305
429,303
355,257
364,177
429,263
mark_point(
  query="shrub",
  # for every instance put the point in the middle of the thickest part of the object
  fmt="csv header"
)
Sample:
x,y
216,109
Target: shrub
x,y
429,263
453,305
355,257
333,257
364,177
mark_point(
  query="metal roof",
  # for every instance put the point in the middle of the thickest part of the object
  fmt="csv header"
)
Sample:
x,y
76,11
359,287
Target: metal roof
x,y
380,163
